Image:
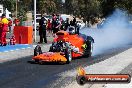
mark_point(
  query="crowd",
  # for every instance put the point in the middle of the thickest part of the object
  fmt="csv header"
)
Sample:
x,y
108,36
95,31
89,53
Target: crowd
x,y
46,28
52,26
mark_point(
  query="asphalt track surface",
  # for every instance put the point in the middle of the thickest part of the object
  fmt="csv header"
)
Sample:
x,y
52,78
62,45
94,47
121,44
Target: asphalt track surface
x,y
21,74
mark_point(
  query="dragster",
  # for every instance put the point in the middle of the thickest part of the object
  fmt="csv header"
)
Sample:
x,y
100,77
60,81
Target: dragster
x,y
66,46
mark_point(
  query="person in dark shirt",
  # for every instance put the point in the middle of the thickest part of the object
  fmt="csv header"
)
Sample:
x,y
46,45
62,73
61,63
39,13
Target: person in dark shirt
x,y
77,29
42,30
74,21
67,24
55,26
62,27
71,23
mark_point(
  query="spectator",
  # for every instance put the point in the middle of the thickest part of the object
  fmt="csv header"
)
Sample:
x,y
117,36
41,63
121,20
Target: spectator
x,y
10,24
54,26
12,40
16,22
49,27
57,16
71,23
67,24
59,24
62,27
77,29
42,30
54,17
4,29
74,21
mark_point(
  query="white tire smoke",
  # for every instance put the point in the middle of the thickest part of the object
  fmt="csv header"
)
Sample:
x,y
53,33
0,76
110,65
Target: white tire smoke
x,y
116,31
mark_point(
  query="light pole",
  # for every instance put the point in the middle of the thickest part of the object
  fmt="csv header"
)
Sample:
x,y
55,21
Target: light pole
x,y
35,20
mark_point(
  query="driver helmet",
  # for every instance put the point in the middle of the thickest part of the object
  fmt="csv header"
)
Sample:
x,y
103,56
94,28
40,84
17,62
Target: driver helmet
x,y
72,30
60,42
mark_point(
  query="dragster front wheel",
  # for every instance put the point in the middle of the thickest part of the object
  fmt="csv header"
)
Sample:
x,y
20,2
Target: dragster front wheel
x,y
37,50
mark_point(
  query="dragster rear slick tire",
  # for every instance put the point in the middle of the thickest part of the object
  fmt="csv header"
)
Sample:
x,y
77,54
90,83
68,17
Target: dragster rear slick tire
x,y
37,50
89,50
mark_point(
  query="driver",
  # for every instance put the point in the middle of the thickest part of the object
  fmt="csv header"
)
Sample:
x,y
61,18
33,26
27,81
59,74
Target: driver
x,y
60,43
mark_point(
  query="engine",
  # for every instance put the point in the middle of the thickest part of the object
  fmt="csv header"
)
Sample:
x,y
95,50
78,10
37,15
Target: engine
x,y
60,46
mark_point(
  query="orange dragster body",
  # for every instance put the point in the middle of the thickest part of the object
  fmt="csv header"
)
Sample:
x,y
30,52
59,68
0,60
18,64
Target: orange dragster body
x,y
65,47
75,40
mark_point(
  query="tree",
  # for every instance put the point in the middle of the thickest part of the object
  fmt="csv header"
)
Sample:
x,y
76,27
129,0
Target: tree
x,y
68,6
27,4
59,6
108,6
51,6
125,5
9,4
23,7
47,6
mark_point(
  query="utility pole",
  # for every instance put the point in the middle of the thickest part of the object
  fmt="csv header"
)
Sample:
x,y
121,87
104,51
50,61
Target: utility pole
x,y
34,20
